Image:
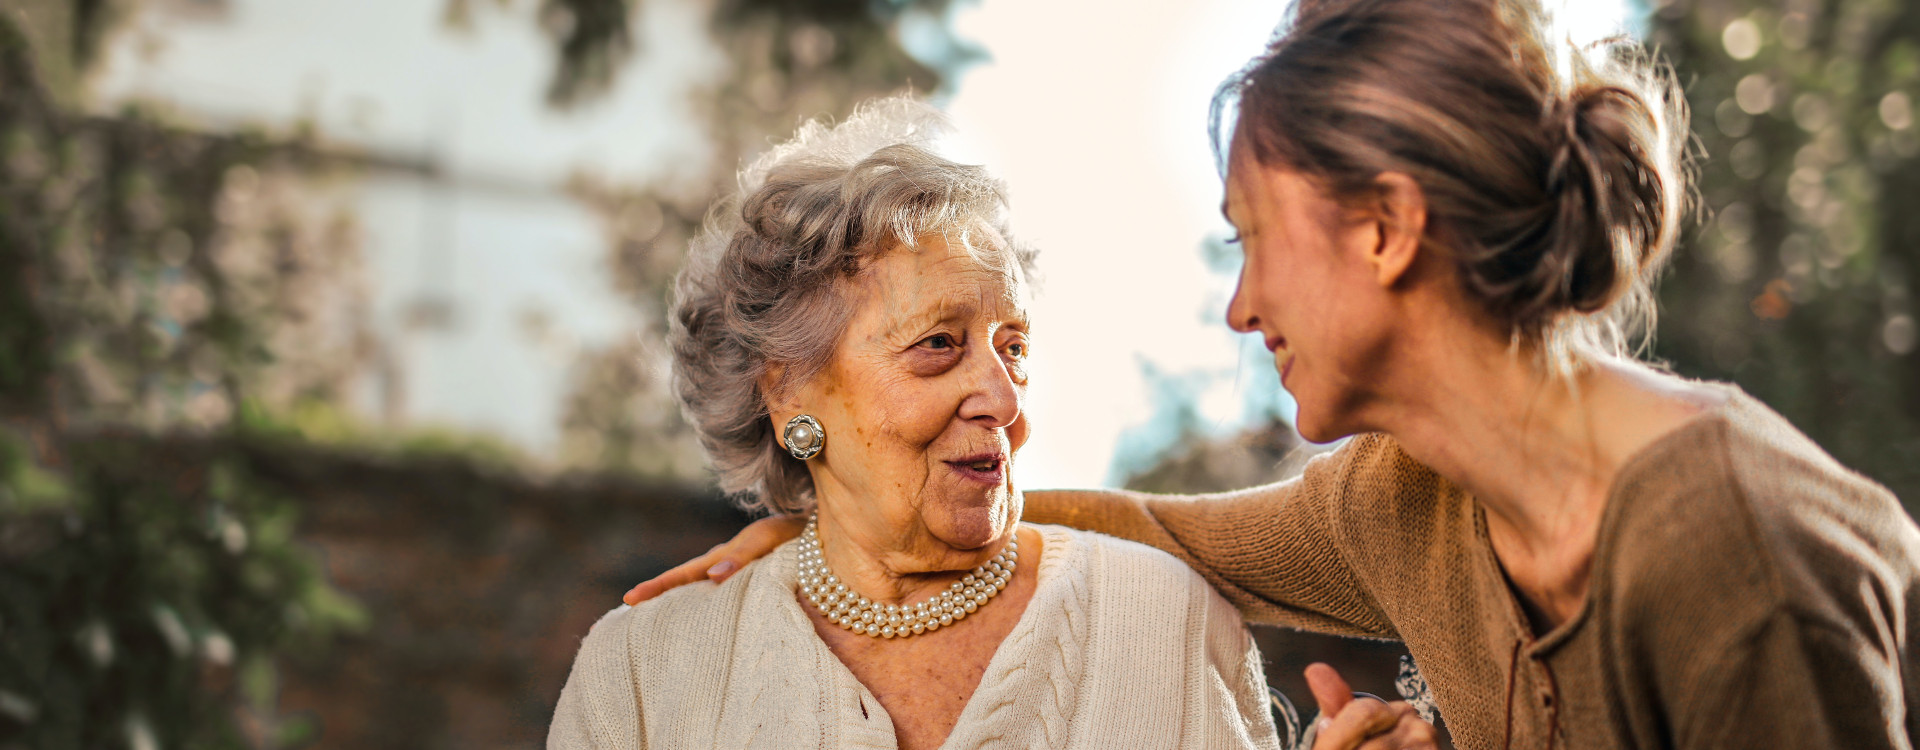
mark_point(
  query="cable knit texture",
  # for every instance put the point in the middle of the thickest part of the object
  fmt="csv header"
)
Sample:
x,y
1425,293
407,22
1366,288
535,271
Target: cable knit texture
x,y
1120,646
1746,590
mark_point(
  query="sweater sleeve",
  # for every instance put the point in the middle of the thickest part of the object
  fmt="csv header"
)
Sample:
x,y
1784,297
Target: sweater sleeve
x,y
1824,685
599,708
1273,551
1236,658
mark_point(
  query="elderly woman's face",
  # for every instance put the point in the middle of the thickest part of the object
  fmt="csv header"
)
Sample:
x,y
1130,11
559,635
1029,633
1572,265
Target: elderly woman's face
x,y
922,401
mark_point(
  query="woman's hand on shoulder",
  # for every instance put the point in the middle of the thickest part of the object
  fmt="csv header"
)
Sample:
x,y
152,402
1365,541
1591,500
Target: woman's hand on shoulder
x,y
752,543
1364,724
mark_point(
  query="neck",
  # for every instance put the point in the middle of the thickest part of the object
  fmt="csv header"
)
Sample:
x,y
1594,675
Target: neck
x,y
894,568
1524,442
1539,451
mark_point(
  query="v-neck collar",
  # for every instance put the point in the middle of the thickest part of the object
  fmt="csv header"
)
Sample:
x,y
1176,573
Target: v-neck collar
x,y
1516,614
1641,461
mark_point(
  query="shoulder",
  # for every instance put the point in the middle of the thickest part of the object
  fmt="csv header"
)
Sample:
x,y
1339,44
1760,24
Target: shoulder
x,y
1741,480
1376,477
1139,577
1739,515
607,639
679,625
692,603
604,649
1393,515
1789,480
1823,527
1367,482
598,707
622,691
1374,463
1118,561
1151,594
611,642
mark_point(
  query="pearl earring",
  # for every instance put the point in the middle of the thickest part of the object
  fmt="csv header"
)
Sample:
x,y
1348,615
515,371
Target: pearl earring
x,y
804,437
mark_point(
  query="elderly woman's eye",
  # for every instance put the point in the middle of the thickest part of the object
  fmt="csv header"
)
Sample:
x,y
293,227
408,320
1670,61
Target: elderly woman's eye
x,y
1017,350
938,341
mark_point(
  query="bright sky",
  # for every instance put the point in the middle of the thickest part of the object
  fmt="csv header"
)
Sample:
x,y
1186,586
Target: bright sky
x,y
1096,114
1093,110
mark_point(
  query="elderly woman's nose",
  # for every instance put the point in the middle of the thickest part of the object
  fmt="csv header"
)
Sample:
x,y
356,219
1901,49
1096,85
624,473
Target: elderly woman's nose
x,y
993,398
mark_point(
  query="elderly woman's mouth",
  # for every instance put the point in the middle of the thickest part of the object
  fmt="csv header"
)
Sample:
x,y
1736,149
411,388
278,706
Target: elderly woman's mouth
x,y
986,468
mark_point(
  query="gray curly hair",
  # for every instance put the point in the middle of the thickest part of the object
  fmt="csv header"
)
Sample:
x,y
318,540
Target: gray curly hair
x,y
764,283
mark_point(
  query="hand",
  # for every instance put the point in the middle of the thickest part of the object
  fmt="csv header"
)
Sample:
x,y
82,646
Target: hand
x,y
1348,724
752,543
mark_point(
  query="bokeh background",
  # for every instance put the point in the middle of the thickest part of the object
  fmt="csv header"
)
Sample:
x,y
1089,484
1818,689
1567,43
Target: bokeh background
x,y
331,393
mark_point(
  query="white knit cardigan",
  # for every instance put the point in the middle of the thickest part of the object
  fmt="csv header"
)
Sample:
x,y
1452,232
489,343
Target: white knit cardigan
x,y
1121,646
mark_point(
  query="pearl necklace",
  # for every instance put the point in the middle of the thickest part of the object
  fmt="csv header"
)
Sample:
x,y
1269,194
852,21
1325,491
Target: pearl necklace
x,y
850,610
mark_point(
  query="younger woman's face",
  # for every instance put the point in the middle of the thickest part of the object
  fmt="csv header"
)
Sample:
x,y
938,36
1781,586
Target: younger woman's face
x,y
1307,289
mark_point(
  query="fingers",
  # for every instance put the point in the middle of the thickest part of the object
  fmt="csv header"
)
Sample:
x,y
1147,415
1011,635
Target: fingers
x,y
691,571
725,559
1356,724
1410,733
1330,690
760,538
1348,724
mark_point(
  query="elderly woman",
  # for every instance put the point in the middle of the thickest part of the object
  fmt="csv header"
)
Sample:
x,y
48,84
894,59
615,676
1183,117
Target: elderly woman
x,y
849,339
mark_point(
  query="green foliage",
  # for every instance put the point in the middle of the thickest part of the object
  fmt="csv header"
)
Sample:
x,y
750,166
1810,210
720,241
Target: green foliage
x,y
593,38
142,596
317,423
1799,283
146,591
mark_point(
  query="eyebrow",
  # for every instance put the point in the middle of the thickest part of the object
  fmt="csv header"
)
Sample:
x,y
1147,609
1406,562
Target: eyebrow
x,y
941,313
1021,319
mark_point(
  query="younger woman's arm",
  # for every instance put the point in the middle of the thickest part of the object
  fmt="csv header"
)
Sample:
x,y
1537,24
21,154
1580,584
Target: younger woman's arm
x,y
1274,550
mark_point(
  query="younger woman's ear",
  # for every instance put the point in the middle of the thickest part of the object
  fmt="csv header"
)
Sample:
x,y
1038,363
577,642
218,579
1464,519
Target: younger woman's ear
x,y
1401,213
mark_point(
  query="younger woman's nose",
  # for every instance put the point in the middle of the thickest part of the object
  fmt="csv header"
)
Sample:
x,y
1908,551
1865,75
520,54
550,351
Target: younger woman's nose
x,y
1240,315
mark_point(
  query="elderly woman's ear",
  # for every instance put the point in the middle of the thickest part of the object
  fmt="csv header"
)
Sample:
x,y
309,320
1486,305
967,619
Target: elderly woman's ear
x,y
800,433
782,398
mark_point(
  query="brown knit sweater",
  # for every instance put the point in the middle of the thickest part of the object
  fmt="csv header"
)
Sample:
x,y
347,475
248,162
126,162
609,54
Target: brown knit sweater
x,y
1747,591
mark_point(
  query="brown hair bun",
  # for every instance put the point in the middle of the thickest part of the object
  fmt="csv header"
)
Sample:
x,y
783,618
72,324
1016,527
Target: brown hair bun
x,y
1553,174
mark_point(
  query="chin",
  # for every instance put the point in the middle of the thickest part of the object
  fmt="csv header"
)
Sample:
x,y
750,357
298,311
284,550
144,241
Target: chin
x,y
969,524
1313,425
